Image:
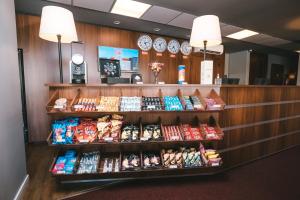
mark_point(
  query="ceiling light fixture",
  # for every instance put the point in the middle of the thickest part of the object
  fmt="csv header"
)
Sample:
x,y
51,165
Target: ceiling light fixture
x,y
130,8
156,29
298,51
242,34
117,22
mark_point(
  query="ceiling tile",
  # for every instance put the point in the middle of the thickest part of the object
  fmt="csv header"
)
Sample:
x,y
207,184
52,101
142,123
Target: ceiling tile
x,y
267,40
160,14
100,5
184,20
227,29
69,2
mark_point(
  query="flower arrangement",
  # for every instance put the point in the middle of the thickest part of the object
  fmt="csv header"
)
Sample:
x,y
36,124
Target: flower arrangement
x,y
156,68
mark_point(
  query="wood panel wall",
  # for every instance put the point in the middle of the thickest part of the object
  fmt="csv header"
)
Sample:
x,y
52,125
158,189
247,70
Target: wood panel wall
x,y
41,63
258,121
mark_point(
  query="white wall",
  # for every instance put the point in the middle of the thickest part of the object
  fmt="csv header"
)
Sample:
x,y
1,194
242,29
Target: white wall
x,y
239,66
12,151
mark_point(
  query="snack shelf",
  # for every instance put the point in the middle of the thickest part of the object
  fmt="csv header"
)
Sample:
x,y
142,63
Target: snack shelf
x,y
138,173
72,95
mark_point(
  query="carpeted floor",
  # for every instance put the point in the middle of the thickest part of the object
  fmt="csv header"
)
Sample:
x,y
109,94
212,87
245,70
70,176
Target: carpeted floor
x,y
273,178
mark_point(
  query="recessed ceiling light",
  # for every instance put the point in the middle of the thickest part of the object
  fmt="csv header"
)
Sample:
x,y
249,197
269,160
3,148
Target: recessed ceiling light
x,y
242,34
156,29
130,8
117,22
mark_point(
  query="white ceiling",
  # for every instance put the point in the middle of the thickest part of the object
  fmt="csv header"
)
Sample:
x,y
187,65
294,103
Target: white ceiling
x,y
176,18
99,5
160,14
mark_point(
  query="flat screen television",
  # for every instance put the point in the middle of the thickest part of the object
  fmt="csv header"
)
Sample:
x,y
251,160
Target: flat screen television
x,y
128,58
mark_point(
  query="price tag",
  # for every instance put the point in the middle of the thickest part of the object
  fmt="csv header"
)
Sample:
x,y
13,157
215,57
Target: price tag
x,y
108,139
144,138
161,82
173,166
139,83
217,106
215,164
58,106
151,107
78,106
61,172
175,137
83,141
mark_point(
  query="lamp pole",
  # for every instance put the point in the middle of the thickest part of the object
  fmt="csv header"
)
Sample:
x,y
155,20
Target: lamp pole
x,y
205,43
60,59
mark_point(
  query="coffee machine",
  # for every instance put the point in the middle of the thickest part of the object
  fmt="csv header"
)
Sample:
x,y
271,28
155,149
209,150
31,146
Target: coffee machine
x,y
78,65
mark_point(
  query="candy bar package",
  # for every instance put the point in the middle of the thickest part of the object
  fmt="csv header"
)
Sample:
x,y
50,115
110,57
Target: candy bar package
x,y
151,132
191,157
172,133
172,158
130,104
108,104
151,103
209,132
65,164
191,133
151,160
187,103
197,103
172,103
63,130
131,161
86,131
60,104
130,133
86,104
89,163
111,164
109,128
210,157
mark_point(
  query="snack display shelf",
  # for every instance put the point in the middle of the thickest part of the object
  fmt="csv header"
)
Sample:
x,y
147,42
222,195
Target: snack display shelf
x,y
72,93
98,113
139,173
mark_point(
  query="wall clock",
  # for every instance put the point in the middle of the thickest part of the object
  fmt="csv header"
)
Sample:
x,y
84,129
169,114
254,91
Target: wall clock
x,y
144,42
173,46
186,48
160,44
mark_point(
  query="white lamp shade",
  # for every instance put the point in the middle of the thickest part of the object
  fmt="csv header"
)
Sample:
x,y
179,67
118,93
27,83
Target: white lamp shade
x,y
57,21
206,28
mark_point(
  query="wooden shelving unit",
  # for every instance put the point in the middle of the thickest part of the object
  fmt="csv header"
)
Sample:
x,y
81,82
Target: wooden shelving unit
x,y
73,92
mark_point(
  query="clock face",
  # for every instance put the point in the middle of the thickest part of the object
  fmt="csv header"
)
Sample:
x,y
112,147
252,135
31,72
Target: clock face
x,y
173,46
77,59
186,48
160,44
144,42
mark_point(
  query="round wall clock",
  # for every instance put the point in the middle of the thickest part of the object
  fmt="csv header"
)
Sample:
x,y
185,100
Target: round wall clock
x,y
160,44
144,42
173,46
186,48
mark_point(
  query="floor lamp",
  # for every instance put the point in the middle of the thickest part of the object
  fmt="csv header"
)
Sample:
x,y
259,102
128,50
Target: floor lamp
x,y
57,25
206,33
